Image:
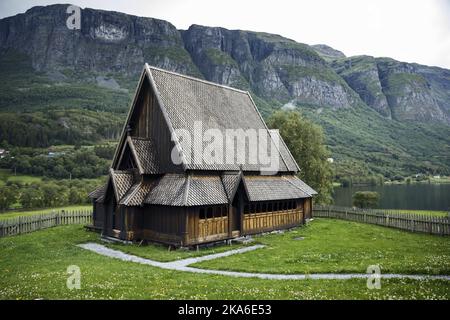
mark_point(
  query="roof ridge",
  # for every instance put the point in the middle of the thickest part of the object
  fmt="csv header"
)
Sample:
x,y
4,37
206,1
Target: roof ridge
x,y
284,177
289,151
198,79
140,138
127,197
165,115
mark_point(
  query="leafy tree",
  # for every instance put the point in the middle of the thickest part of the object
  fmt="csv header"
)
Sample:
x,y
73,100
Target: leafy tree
x,y
8,196
365,199
32,197
50,195
77,195
307,144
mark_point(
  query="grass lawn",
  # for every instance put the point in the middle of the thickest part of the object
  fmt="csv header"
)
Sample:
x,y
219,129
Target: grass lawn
x,y
34,266
6,175
163,254
332,245
21,213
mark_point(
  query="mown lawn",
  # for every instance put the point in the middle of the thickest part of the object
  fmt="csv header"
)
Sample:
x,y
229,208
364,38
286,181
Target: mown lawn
x,y
163,253
35,265
21,213
332,245
6,175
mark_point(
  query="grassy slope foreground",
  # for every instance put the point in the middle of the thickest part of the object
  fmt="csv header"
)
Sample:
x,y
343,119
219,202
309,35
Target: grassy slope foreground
x,y
343,247
34,266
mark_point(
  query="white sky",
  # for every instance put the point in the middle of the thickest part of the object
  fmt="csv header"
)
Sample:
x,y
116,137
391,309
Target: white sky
x,y
406,30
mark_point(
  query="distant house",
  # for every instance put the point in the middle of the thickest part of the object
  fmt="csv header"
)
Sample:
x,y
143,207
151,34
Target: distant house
x,y
3,153
149,196
52,154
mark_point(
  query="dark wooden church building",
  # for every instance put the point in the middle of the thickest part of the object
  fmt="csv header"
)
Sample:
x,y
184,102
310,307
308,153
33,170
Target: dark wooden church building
x,y
149,196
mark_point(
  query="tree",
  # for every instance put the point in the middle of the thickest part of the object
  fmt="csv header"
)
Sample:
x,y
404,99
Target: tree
x,y
306,141
8,196
31,197
365,199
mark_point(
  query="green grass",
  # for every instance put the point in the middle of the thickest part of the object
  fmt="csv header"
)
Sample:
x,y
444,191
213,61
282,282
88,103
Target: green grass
x,y
22,213
35,265
363,143
343,247
6,175
163,253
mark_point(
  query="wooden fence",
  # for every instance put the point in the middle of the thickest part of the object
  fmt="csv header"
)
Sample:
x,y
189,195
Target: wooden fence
x,y
405,221
25,224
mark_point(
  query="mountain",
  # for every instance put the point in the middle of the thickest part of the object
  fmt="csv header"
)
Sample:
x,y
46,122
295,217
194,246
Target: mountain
x,y
369,107
328,53
399,90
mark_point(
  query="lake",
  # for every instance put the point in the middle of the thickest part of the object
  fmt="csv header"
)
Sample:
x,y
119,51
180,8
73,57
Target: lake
x,y
401,196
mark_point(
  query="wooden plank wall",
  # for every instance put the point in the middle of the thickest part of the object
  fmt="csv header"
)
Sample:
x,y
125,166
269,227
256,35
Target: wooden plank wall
x,y
149,122
269,221
205,230
163,223
411,222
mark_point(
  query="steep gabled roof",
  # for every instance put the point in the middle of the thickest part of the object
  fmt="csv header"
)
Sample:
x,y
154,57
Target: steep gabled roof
x,y
187,190
185,101
136,194
200,190
98,192
266,188
121,181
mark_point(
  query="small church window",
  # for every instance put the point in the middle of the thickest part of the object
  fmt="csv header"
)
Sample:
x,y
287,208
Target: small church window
x,y
209,213
202,213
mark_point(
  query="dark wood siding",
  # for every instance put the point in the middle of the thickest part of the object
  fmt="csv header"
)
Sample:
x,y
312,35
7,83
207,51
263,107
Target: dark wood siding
x,y
164,224
308,208
148,122
98,214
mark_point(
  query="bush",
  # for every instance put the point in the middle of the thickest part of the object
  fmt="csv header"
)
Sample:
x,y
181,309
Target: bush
x,y
365,199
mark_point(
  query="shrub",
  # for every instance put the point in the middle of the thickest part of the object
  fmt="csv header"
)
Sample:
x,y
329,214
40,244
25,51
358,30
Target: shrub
x,y
365,199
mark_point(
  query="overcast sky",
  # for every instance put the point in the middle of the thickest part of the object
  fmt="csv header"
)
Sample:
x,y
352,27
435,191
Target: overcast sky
x,y
406,30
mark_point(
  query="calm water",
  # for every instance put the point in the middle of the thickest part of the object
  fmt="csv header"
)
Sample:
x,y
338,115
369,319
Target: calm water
x,y
414,196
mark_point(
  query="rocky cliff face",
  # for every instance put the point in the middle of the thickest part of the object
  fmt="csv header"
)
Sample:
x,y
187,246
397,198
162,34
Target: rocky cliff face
x,y
106,41
328,53
403,91
270,66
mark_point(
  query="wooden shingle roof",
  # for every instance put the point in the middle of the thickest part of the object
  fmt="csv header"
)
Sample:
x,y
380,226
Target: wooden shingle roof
x,y
199,190
146,155
186,101
265,188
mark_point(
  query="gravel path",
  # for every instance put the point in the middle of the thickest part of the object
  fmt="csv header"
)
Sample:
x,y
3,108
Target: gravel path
x,y
183,265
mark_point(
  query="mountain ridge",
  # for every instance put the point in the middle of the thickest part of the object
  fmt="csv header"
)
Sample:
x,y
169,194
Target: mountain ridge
x,y
367,106
269,65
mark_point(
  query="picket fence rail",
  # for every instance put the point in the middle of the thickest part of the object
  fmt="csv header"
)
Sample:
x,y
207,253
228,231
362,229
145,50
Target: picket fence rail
x,y
405,221
26,224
